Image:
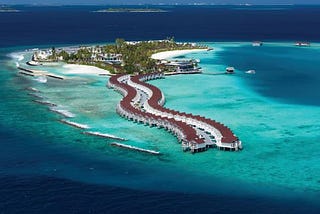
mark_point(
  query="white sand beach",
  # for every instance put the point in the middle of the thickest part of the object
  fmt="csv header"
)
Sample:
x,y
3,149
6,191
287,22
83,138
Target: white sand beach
x,y
175,53
84,69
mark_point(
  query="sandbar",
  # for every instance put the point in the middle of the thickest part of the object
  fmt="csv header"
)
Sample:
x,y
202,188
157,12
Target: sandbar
x,y
84,69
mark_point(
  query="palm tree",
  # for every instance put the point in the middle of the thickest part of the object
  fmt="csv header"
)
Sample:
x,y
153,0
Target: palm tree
x,y
54,53
120,44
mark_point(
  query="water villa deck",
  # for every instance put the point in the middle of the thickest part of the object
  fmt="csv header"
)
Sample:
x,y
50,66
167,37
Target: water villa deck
x,y
143,103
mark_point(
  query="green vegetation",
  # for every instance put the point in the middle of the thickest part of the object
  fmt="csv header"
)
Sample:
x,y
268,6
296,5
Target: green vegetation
x,y
135,57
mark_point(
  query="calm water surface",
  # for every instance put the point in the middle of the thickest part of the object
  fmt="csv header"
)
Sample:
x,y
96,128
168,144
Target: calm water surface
x,y
46,166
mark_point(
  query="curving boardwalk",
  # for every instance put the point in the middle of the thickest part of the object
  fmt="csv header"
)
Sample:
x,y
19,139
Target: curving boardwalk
x,y
144,102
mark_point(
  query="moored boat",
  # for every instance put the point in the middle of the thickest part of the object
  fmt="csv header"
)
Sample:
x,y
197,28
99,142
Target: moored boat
x,y
302,44
257,43
230,70
250,71
33,63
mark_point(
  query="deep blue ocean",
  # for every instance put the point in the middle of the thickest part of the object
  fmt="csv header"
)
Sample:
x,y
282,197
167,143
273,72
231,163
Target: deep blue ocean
x,y
75,24
27,159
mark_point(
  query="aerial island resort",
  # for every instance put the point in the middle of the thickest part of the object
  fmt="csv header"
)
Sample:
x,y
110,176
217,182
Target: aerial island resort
x,y
131,64
121,57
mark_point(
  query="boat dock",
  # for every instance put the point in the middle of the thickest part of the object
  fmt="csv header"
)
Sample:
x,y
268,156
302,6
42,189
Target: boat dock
x,y
143,103
135,148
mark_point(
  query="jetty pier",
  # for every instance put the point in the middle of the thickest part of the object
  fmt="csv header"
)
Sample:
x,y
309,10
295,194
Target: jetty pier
x,y
144,102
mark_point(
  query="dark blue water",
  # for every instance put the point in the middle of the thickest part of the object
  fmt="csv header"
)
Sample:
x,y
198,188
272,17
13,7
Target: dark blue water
x,y
32,192
25,184
285,73
50,25
49,195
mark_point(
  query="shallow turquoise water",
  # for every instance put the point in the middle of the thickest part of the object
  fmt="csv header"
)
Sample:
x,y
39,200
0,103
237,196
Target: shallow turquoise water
x,y
280,137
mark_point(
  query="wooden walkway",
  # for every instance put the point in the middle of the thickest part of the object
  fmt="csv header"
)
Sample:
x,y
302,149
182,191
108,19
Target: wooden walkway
x,y
196,133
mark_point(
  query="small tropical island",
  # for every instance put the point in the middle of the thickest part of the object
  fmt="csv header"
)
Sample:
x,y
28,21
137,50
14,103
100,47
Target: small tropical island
x,y
7,9
130,57
131,10
131,64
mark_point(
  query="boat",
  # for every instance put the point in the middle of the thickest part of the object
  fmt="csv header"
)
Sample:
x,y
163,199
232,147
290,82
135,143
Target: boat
x,y
209,49
250,72
257,43
302,44
33,63
230,70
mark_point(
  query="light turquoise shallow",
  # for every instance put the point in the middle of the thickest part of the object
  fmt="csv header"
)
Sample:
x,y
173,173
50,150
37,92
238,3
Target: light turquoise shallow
x,y
281,140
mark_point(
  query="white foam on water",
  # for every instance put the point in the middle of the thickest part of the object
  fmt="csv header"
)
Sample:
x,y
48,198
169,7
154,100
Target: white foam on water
x,y
77,125
104,135
17,56
135,148
45,102
63,112
41,79
33,89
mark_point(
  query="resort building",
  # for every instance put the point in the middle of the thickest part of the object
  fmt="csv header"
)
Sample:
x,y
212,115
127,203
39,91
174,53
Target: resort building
x,y
41,55
183,66
97,54
111,58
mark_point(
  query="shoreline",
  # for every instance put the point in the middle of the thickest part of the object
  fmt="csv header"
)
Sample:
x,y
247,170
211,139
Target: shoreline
x,y
170,54
84,69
